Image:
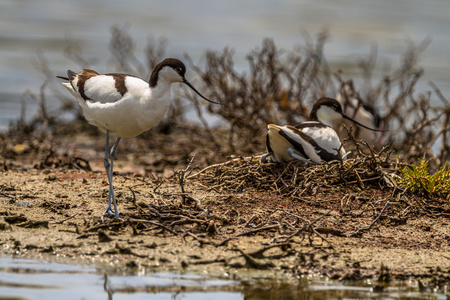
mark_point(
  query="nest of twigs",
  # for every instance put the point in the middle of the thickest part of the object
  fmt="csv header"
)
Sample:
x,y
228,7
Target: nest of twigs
x,y
369,167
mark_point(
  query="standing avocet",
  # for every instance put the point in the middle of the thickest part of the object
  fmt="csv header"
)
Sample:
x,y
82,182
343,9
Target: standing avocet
x,y
314,141
124,105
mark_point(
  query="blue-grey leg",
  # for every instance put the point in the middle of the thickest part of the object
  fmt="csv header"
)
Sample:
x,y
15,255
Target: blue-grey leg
x,y
294,154
109,174
111,189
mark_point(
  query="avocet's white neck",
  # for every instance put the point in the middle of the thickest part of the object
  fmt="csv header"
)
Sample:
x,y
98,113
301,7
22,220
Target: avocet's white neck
x,y
161,91
328,115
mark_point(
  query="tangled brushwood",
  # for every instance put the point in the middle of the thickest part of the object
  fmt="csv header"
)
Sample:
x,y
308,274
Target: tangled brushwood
x,y
294,179
282,85
374,173
247,173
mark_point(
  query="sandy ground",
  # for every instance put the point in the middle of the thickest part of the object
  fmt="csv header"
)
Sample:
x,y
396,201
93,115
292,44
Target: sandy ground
x,y
341,231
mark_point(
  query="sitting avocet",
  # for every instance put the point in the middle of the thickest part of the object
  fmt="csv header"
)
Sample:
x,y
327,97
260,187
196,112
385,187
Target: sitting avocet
x,y
314,141
362,112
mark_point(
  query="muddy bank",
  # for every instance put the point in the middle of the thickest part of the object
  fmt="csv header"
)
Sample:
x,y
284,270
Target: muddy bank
x,y
337,229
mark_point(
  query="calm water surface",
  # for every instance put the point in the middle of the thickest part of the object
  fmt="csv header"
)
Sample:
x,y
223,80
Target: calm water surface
x,y
30,27
32,279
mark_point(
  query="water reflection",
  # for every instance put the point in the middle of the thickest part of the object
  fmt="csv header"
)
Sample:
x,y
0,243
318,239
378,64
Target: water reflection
x,y
37,279
32,279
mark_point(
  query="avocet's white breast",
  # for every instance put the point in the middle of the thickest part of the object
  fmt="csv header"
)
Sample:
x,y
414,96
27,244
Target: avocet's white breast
x,y
137,110
137,87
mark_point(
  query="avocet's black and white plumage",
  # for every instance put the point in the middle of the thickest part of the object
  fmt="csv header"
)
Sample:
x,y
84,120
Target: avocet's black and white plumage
x,y
314,141
125,105
364,113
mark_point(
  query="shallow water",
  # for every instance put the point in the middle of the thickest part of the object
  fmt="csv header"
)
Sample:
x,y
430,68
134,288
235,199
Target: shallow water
x,y
31,27
32,279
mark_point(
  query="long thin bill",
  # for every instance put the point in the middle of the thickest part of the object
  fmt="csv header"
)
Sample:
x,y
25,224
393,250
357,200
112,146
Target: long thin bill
x,y
359,124
198,93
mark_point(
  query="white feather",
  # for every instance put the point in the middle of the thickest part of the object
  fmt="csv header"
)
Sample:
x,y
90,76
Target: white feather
x,y
278,144
310,151
326,139
102,88
140,108
133,109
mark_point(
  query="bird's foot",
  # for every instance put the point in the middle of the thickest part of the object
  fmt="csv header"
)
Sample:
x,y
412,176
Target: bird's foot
x,y
110,212
266,158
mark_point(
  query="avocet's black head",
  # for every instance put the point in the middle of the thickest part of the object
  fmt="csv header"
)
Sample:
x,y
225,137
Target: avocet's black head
x,y
180,69
328,110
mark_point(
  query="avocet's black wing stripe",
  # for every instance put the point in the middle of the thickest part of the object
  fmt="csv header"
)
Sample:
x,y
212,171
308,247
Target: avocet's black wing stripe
x,y
298,146
309,124
321,152
268,148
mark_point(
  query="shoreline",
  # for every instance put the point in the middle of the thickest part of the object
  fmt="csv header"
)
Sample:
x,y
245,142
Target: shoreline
x,y
56,214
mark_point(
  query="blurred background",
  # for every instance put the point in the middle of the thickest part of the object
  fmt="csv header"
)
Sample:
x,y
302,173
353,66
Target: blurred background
x,y
34,30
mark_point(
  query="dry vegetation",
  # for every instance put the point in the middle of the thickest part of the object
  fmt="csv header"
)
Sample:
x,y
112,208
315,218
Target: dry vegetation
x,y
279,87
